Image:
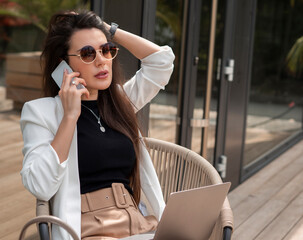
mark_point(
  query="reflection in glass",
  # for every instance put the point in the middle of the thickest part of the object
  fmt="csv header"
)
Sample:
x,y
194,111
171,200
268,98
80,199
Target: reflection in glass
x,y
201,77
275,107
200,94
163,109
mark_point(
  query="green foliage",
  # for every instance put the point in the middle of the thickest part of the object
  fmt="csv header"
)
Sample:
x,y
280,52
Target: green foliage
x,y
38,12
169,12
294,59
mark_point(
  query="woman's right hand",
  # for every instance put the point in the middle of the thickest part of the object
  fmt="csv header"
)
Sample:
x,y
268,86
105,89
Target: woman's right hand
x,y
71,96
71,101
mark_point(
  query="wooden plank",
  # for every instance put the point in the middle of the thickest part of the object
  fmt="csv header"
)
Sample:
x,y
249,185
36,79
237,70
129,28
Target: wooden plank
x,y
13,178
11,154
7,167
6,105
256,199
27,62
257,181
2,93
5,125
31,234
7,138
14,129
270,210
12,116
16,203
12,146
10,229
296,232
280,226
25,80
22,95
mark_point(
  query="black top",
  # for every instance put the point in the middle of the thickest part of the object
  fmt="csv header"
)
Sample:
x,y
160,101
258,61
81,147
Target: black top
x,y
103,157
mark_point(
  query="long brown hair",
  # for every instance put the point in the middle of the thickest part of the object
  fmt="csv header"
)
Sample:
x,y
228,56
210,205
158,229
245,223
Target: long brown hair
x,y
114,106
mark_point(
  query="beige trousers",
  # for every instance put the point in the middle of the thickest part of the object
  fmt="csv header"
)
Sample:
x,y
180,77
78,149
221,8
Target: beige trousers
x,y
112,213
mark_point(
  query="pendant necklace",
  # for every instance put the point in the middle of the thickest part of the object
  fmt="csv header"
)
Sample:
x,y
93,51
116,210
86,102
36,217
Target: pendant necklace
x,y
102,129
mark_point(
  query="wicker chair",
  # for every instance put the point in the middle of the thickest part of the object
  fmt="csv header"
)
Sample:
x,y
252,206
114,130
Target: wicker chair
x,y
178,168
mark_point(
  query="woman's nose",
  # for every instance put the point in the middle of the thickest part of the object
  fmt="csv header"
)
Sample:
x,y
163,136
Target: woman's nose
x,y
99,57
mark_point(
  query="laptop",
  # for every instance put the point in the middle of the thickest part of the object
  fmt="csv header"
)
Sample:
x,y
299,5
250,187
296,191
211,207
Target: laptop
x,y
189,214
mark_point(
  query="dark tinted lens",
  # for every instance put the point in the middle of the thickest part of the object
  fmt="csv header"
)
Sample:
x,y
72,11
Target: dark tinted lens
x,y
88,54
109,50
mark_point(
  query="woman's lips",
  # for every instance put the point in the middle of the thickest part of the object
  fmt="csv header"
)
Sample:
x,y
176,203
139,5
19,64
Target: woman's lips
x,y
102,75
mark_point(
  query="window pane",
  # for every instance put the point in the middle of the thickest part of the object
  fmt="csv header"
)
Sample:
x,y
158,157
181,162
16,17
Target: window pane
x,y
163,108
275,107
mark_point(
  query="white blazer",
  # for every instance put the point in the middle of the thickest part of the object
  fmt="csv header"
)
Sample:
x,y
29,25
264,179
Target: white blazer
x,y
47,179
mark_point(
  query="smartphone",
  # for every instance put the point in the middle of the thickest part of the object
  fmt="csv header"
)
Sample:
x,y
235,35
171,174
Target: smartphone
x,y
57,74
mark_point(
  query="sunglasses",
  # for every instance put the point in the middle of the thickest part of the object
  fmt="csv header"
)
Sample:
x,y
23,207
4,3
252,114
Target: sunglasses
x,y
88,54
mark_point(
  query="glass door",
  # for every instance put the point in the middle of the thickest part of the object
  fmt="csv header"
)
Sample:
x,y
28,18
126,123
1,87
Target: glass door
x,y
178,113
206,93
163,118
260,108
275,100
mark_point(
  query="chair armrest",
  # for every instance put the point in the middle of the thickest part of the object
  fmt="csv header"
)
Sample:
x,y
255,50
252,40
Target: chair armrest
x,y
227,215
44,231
42,208
48,219
43,218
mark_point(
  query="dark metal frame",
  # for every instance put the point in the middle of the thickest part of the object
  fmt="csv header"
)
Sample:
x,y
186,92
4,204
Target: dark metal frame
x,y
225,85
188,70
233,100
98,7
244,31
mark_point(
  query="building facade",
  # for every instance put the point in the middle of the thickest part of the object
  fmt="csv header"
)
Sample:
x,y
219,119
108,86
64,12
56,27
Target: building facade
x,y
235,96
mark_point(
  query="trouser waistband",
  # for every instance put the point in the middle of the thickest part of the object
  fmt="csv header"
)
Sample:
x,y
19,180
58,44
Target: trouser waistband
x,y
117,195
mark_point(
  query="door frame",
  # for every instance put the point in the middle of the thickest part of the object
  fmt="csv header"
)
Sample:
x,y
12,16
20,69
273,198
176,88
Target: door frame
x,y
188,70
240,22
234,95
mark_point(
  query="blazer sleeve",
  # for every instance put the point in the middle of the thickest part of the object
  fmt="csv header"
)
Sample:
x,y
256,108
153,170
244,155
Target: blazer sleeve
x,y
42,172
150,183
153,75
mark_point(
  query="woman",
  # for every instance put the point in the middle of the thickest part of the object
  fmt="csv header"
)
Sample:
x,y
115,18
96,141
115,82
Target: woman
x,y
82,147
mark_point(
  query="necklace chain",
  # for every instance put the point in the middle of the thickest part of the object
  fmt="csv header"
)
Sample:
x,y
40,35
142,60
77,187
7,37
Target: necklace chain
x,y
102,129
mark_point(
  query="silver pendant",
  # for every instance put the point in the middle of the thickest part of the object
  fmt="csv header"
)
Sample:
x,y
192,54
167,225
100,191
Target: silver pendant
x,y
102,129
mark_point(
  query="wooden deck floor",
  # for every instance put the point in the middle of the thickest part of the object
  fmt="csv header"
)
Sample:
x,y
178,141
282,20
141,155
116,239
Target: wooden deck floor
x,y
267,206
17,204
